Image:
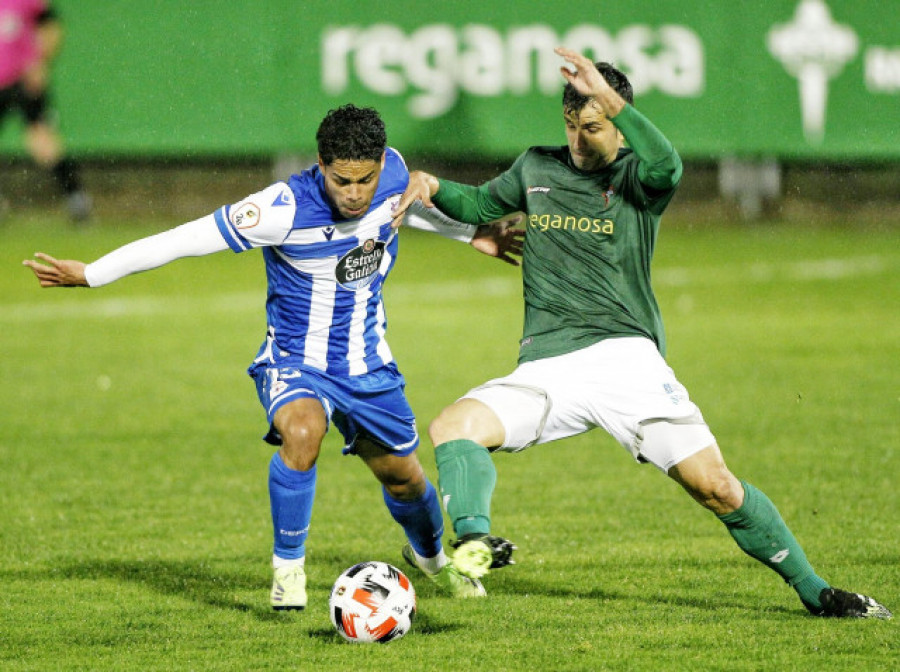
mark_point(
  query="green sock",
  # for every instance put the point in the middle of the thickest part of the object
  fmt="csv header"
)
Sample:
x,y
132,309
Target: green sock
x,y
466,477
760,532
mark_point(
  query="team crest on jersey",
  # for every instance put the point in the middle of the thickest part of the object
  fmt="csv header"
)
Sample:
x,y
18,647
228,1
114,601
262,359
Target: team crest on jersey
x,y
245,217
608,194
360,265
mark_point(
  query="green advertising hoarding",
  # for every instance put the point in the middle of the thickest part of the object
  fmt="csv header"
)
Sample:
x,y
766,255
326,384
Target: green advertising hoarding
x,y
800,79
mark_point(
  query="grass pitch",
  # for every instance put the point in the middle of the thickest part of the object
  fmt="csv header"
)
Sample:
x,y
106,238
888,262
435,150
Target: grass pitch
x,y
134,523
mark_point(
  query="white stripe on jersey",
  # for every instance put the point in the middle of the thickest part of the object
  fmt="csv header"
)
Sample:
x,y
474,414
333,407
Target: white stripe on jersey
x,y
382,349
321,305
319,330
356,351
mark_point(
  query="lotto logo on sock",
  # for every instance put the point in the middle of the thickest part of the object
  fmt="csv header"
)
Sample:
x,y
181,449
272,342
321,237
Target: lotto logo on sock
x,y
780,556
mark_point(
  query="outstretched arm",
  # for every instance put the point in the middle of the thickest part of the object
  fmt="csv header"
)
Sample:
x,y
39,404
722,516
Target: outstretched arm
x,y
499,238
193,239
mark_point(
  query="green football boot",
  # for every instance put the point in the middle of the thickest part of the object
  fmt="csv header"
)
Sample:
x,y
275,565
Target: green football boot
x,y
477,554
448,579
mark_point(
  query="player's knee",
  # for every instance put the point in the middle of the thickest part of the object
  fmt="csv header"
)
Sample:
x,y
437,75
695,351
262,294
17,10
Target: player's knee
x,y
405,492
43,145
300,444
717,490
466,419
404,486
447,426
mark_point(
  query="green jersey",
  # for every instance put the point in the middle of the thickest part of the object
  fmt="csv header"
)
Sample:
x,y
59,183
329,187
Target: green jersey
x,y
589,238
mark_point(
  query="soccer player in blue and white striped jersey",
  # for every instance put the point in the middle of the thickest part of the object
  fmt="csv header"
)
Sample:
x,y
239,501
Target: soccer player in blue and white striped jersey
x,y
328,245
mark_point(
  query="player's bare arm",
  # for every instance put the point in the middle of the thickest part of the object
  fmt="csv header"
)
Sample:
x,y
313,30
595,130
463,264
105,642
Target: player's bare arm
x,y
422,186
589,82
52,272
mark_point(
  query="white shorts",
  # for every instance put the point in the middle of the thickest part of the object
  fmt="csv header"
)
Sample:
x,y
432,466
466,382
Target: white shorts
x,y
622,385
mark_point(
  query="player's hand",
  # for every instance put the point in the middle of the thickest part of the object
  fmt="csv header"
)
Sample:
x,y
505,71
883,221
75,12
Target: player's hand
x,y
422,186
57,272
586,79
501,238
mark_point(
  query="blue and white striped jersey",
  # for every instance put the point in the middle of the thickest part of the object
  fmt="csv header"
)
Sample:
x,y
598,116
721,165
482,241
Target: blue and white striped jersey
x,y
325,276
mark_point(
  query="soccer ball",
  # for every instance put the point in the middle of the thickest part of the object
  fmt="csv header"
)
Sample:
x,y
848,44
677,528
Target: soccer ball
x,y
372,602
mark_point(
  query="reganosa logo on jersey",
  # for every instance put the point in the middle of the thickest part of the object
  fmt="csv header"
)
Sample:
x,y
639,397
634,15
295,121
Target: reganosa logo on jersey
x,y
434,63
572,223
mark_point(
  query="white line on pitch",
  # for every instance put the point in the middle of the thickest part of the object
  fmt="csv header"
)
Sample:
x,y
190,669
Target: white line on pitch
x,y
762,272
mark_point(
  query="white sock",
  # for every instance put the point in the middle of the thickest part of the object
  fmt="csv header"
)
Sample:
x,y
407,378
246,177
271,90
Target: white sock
x,y
278,563
431,565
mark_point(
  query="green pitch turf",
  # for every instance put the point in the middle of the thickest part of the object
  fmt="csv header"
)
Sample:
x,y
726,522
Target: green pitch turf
x,y
134,522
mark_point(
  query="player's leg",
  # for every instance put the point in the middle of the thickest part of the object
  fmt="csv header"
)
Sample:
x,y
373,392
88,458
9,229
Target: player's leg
x,y
751,519
675,438
462,434
495,415
45,146
412,501
408,494
758,528
7,104
300,425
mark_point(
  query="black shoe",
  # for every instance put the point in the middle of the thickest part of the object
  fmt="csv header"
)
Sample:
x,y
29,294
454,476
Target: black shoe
x,y
837,603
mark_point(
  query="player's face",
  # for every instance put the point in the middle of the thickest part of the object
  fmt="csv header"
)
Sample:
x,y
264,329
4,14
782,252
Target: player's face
x,y
593,140
351,183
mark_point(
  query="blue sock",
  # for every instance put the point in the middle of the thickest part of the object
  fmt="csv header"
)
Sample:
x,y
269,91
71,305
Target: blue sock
x,y
291,495
421,519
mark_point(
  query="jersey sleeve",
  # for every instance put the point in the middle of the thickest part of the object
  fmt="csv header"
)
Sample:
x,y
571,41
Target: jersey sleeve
x,y
434,221
194,239
508,188
660,166
466,203
262,219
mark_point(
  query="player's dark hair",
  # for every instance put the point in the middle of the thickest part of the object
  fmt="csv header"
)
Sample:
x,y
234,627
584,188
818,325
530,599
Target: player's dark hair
x,y
351,132
574,101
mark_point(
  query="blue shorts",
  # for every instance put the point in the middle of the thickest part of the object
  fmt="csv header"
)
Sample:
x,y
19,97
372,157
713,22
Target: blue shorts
x,y
372,406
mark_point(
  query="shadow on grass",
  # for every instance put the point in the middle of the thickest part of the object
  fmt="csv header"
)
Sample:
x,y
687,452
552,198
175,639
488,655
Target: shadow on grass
x,y
516,586
214,587
192,580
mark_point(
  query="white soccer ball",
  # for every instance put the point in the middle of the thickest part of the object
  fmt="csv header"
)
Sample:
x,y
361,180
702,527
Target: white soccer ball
x,y
372,602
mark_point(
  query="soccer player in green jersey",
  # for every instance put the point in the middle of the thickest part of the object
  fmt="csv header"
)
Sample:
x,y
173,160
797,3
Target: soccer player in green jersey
x,y
592,352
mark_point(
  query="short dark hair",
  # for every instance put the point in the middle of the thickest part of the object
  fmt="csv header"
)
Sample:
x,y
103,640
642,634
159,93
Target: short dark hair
x,y
574,101
351,132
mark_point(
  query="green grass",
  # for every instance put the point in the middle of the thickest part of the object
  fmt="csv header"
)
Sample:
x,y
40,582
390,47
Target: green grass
x,y
134,523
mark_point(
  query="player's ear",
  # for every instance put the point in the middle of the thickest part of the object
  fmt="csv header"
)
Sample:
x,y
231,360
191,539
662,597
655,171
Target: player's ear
x,y
383,156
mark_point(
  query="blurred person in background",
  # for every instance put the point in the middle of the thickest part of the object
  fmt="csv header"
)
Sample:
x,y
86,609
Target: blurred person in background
x,y
30,37
592,352
328,243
